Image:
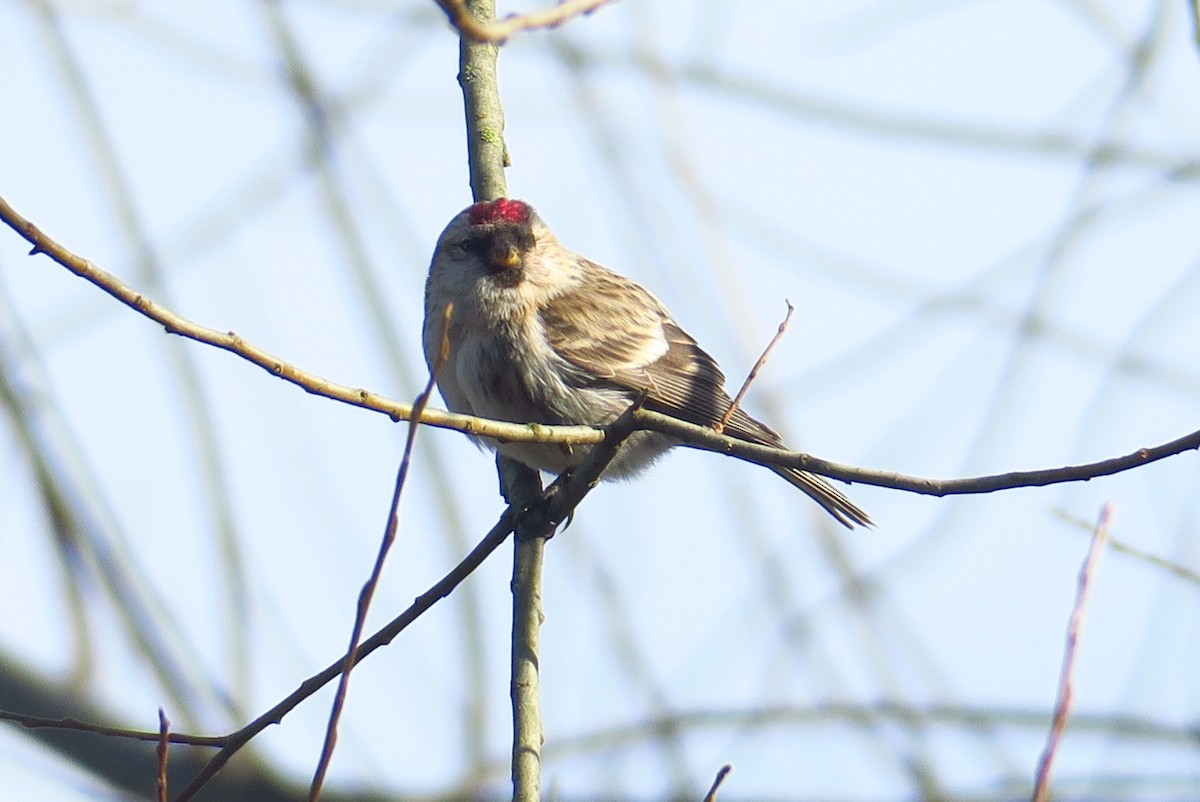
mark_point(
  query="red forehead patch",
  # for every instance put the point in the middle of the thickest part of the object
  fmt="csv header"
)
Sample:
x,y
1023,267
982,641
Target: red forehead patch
x,y
504,209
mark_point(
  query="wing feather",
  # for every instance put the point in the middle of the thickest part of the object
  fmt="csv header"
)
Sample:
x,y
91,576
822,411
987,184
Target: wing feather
x,y
617,335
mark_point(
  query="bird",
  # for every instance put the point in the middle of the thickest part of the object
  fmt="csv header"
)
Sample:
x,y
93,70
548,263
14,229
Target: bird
x,y
540,334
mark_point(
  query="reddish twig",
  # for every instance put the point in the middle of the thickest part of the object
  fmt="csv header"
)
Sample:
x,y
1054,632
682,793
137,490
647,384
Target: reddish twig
x,y
368,590
762,360
498,31
1066,678
164,739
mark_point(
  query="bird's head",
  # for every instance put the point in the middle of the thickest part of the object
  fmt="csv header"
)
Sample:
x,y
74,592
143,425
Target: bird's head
x,y
494,239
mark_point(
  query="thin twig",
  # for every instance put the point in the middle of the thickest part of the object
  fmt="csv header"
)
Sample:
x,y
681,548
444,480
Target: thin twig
x,y
368,590
1067,675
698,436
762,360
68,723
234,742
705,438
231,342
711,796
164,740
485,29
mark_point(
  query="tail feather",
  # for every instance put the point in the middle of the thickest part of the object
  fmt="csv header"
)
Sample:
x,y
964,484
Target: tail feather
x,y
834,501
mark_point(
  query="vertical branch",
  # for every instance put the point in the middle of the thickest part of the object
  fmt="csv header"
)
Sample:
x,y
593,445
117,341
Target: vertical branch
x,y
520,485
368,590
1066,680
486,151
526,703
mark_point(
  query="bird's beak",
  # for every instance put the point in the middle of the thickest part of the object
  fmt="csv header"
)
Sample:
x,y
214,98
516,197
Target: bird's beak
x,y
504,256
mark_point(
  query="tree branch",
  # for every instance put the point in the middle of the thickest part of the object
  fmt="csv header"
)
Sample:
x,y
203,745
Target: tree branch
x,y
68,723
695,436
309,382
555,505
708,440
750,377
1066,680
519,484
368,589
485,29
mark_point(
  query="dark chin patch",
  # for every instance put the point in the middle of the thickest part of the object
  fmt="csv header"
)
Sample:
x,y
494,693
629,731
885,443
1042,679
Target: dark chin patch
x,y
508,277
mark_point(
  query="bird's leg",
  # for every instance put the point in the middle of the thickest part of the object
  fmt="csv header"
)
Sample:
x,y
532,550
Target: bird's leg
x,y
521,487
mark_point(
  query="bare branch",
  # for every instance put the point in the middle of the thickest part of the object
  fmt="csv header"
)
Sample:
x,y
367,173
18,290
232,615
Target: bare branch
x,y
385,545
559,500
41,722
1066,679
498,31
762,360
525,687
487,155
520,485
696,436
231,342
708,440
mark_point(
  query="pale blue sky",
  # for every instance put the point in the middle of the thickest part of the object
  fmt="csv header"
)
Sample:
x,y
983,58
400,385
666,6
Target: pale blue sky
x,y
916,177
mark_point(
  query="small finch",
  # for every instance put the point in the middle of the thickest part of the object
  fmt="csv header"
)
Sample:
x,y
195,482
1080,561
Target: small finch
x,y
542,335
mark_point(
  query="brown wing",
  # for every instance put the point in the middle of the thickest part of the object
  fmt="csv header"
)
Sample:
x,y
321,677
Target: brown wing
x,y
618,334
613,327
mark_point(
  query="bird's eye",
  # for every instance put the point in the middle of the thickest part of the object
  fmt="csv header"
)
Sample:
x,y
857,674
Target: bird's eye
x,y
475,245
465,246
